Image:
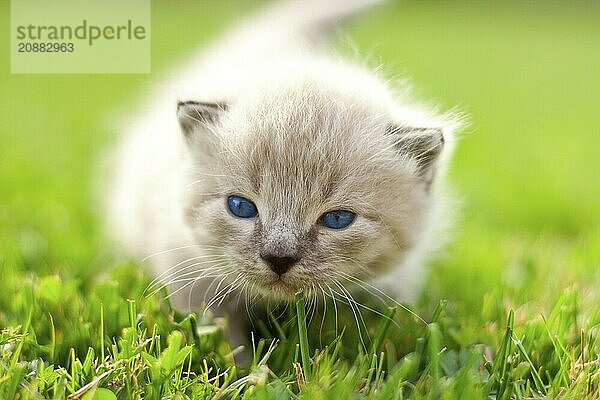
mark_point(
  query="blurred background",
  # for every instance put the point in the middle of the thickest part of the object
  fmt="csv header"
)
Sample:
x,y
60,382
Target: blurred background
x,y
525,171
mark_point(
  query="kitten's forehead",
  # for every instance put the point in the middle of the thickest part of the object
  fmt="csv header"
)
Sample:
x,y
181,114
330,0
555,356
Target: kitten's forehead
x,y
306,148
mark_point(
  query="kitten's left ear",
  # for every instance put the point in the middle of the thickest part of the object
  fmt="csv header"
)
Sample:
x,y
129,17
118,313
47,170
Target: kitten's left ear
x,y
422,144
193,115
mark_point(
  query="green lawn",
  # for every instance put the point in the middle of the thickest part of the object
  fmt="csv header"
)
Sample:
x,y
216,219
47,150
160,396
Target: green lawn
x,y
526,238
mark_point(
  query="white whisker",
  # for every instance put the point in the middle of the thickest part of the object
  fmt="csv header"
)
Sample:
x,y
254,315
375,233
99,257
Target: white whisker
x,y
168,251
396,303
354,310
168,271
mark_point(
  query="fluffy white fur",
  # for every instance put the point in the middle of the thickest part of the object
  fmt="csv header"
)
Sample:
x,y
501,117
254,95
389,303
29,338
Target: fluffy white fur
x,y
300,133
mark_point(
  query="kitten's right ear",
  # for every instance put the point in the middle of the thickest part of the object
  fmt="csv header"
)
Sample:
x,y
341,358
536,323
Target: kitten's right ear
x,y
193,115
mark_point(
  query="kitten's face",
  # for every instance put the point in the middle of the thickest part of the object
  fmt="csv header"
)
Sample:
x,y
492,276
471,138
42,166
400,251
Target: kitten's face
x,y
295,161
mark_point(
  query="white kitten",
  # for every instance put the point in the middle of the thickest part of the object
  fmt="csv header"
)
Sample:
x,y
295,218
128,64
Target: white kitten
x,y
269,166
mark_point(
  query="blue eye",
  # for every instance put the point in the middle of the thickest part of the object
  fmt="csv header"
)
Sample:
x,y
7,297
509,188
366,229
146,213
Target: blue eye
x,y
337,219
241,207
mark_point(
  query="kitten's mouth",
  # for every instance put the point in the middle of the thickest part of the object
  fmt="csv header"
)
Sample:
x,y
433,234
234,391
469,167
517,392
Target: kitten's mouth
x,y
279,283
280,286
271,284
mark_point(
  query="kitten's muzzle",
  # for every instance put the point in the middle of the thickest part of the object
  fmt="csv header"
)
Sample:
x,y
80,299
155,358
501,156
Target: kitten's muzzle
x,y
279,265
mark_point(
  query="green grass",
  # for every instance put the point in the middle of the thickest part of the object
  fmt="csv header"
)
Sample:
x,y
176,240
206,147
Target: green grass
x,y
512,305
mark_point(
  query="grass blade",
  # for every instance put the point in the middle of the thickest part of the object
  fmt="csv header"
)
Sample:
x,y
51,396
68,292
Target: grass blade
x,y
303,334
